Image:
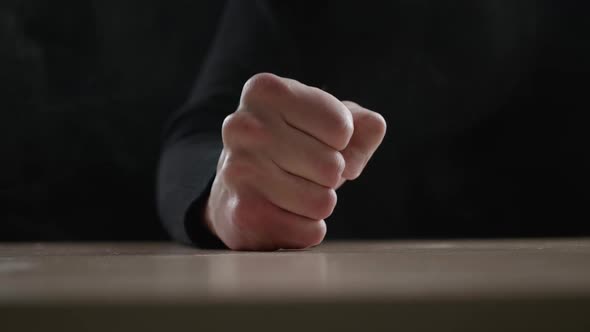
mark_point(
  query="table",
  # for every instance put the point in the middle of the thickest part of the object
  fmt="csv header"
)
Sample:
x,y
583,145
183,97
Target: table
x,y
507,285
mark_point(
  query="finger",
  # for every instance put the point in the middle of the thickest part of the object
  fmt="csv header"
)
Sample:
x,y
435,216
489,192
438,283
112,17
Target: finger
x,y
245,130
369,130
302,155
291,231
308,109
264,226
296,195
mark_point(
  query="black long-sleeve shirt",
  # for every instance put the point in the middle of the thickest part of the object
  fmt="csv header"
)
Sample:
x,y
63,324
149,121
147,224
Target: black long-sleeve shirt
x,y
486,103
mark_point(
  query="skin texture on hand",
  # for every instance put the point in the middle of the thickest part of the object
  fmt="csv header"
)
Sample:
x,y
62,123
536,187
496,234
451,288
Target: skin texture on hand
x,y
287,149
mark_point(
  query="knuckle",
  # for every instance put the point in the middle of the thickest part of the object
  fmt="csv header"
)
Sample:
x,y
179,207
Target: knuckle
x,y
261,87
319,234
324,203
355,161
230,128
342,127
336,117
243,127
227,128
315,236
332,169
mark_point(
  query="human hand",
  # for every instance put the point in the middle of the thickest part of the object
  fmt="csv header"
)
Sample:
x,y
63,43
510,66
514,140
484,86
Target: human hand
x,y
287,149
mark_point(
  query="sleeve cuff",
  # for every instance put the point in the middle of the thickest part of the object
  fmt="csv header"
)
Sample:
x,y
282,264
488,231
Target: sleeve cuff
x,y
185,174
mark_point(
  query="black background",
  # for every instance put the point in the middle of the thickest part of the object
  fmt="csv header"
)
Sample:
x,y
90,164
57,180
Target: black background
x,y
85,89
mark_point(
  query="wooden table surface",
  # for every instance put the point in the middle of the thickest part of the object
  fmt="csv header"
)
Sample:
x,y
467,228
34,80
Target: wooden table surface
x,y
409,286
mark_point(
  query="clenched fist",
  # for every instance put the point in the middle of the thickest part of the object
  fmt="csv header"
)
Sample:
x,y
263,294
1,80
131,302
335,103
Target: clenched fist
x,y
287,149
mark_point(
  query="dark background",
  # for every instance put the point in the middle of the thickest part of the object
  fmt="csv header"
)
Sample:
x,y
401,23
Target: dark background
x,y
85,89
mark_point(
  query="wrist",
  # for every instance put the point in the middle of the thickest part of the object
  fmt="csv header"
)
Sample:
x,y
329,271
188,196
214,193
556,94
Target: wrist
x,y
200,226
207,218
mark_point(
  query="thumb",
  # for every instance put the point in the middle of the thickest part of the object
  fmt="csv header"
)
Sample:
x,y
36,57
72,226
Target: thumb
x,y
369,130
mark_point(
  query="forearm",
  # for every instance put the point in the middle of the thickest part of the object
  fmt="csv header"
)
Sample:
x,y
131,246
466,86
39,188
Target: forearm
x,y
248,42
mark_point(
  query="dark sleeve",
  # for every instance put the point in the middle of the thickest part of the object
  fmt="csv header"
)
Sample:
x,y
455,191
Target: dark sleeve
x,y
249,40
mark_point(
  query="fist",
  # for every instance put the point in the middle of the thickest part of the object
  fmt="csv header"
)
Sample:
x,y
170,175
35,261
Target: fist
x,y
287,149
